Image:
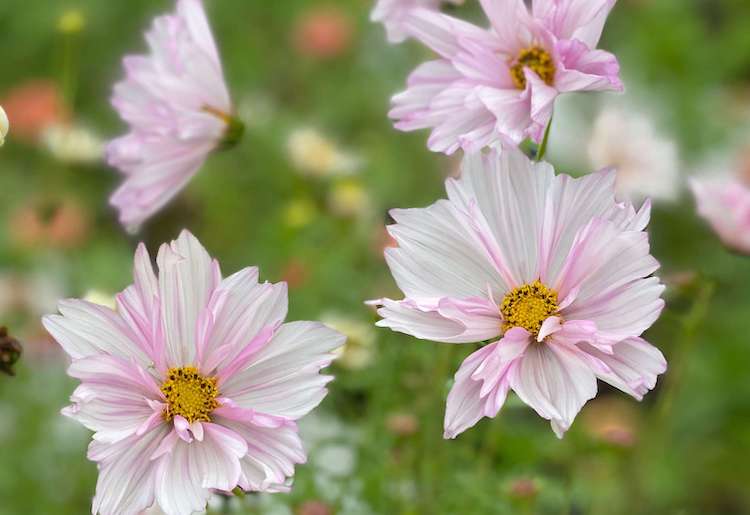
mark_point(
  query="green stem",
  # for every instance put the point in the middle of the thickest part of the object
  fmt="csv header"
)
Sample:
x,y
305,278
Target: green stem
x,y
70,69
690,324
543,147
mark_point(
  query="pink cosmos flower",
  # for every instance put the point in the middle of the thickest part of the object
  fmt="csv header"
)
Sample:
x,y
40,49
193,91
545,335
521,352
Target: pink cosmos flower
x,y
193,384
550,270
394,13
725,204
500,84
177,105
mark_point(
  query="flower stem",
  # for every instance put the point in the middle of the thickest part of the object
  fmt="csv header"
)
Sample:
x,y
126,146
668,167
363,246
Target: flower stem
x,y
690,324
543,147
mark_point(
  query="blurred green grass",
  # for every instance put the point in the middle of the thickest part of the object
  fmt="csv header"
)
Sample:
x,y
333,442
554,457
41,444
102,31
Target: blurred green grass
x,y
693,432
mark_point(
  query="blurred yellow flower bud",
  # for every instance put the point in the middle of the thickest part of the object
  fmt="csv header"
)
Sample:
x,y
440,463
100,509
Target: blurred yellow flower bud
x,y
348,198
72,21
299,212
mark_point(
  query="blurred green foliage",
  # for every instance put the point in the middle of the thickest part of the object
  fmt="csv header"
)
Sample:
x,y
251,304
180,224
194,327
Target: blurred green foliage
x,y
691,436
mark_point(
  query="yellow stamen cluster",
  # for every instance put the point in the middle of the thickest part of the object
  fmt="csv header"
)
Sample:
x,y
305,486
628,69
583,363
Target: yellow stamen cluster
x,y
189,394
528,306
537,60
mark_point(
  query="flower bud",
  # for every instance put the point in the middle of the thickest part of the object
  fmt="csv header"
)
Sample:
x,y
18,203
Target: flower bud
x,y
10,352
4,125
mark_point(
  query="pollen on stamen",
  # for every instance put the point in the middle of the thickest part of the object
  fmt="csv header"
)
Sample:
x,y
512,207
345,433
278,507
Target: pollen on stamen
x,y
537,60
189,394
528,306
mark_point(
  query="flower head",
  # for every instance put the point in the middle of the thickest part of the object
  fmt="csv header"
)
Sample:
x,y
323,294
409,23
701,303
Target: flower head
x,y
554,273
647,163
193,383
393,14
176,103
500,85
725,203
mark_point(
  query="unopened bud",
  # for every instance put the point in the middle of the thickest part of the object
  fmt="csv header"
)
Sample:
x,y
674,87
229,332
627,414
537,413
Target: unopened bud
x,y
10,352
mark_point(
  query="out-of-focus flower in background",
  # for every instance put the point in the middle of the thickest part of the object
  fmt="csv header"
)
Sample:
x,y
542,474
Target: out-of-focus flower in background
x,y
73,144
34,106
402,423
500,85
724,201
349,199
10,351
300,212
611,420
295,273
359,350
176,103
323,33
32,294
647,162
71,21
393,14
314,154
51,222
4,125
523,488
313,507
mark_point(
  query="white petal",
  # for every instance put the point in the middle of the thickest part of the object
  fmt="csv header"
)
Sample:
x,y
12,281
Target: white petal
x,y
633,367
436,257
283,379
127,475
510,193
85,329
187,277
555,382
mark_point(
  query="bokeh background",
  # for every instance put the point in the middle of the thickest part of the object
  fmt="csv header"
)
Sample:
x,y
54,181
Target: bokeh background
x,y
305,196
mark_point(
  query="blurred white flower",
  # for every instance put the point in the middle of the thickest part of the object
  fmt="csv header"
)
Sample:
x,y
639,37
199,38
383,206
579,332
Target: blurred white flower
x,y
73,144
337,460
4,125
314,154
647,163
359,349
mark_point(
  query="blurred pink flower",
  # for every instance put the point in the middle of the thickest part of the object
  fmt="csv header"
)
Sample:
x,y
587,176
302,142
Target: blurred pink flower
x,y
323,33
34,106
551,268
193,384
725,204
500,84
178,108
611,421
394,13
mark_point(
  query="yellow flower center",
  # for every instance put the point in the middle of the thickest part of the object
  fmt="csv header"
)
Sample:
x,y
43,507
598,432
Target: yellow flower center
x,y
537,60
189,394
528,306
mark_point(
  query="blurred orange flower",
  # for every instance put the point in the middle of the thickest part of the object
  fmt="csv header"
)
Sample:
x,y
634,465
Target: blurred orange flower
x,y
323,33
33,106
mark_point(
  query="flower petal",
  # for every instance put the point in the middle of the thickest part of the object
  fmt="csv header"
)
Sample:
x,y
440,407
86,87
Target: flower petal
x,y
283,379
556,382
187,278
